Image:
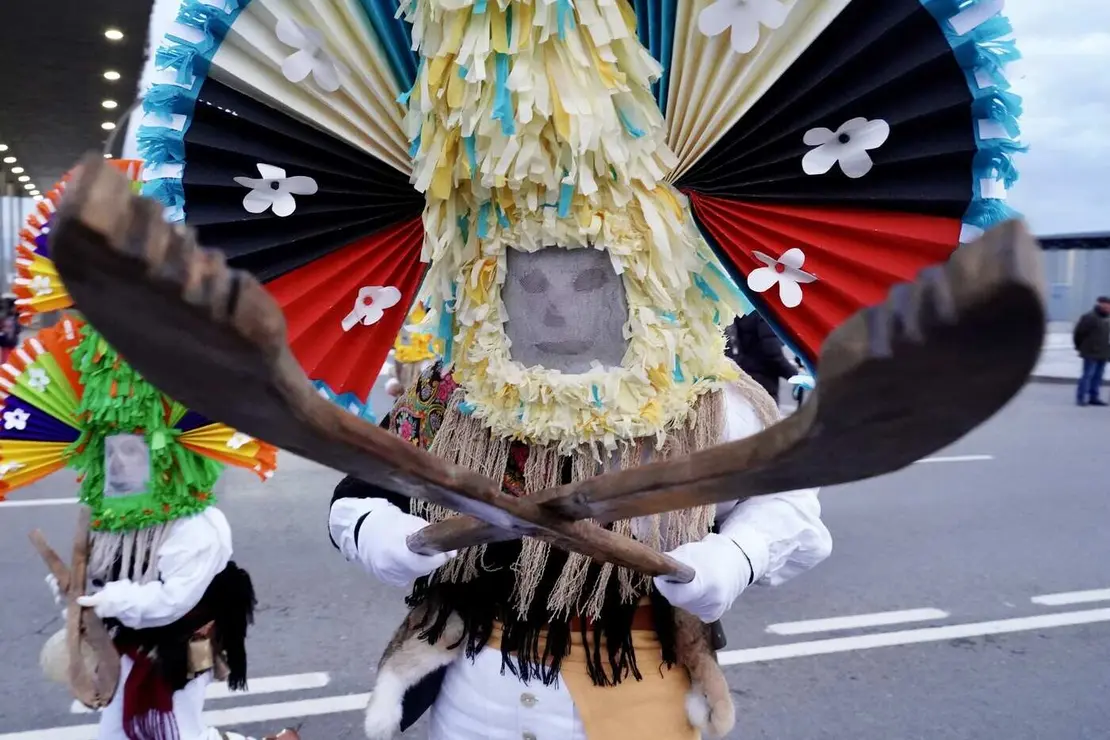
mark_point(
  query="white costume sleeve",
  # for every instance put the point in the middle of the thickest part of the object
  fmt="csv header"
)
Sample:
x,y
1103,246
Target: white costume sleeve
x,y
782,534
194,552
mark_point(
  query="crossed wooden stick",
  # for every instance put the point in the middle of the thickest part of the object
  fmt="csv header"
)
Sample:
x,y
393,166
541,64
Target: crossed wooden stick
x,y
92,685
898,381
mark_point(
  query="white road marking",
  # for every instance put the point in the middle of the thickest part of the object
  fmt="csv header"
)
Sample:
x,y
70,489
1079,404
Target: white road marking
x,y
256,687
38,502
1073,597
354,702
351,702
956,459
907,637
857,621
222,717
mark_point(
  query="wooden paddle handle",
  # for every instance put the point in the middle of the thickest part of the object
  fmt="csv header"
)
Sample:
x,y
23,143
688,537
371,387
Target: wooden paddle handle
x,y
632,554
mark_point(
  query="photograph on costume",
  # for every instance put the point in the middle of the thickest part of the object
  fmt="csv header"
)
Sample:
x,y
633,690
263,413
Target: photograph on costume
x,y
554,370
126,464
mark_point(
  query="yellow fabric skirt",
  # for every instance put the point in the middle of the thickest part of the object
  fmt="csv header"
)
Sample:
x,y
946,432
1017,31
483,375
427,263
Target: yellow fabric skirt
x,y
650,709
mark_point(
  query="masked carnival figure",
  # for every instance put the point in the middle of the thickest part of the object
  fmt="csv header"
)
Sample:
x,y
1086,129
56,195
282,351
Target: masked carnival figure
x,y
584,192
158,562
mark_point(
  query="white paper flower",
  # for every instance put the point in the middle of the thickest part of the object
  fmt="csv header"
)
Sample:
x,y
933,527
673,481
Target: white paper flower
x,y
370,305
275,190
16,419
786,272
744,17
38,379
848,145
40,285
310,58
9,466
238,440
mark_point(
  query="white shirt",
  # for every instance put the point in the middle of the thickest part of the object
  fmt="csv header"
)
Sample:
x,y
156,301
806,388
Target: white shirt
x,y
195,551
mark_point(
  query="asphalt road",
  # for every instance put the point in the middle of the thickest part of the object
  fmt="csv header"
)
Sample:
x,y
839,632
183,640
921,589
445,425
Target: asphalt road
x,y
961,548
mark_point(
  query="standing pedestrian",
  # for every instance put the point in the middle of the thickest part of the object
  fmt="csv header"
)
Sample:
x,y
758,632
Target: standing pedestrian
x,y
1092,342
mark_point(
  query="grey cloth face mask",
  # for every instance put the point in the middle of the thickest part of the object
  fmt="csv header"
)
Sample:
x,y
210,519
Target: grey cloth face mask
x,y
566,309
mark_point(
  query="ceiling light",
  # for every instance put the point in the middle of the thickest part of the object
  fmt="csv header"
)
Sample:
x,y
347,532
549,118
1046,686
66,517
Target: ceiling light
x,y
10,160
110,104
107,125
3,147
17,170
30,186
113,34
23,178
35,192
111,75
107,156
38,197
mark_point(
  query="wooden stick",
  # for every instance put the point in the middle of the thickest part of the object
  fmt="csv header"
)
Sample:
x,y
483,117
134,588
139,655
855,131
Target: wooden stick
x,y
898,382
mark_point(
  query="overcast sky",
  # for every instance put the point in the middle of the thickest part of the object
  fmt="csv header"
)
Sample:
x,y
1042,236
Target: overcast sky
x,y
1065,80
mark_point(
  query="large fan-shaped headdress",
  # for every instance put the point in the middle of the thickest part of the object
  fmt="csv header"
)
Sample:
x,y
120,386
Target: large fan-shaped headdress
x,y
67,399
814,152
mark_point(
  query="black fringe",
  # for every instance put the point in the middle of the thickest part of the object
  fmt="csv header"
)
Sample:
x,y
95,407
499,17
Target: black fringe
x,y
610,656
234,603
229,601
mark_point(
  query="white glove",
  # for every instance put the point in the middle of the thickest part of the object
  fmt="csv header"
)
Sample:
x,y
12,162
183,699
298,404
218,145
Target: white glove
x,y
721,573
55,591
59,598
383,550
111,601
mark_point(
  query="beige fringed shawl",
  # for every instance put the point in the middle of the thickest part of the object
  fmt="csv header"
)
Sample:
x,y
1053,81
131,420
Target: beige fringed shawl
x,y
463,439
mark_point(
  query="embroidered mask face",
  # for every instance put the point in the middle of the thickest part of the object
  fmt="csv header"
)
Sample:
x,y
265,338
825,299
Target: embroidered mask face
x,y
566,309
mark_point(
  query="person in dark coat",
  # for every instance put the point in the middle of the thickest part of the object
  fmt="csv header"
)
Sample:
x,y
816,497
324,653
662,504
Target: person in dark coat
x,y
1092,342
755,347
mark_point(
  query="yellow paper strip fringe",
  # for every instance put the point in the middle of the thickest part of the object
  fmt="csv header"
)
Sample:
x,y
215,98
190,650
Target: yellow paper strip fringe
x,y
533,125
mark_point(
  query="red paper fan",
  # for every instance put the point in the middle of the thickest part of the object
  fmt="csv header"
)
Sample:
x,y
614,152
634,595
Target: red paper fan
x,y
851,258
344,310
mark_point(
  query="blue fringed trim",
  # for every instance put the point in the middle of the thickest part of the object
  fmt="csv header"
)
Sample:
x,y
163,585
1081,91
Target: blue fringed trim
x,y
502,98
169,192
566,197
630,127
483,220
982,54
165,145
446,329
677,374
565,16
472,155
161,144
347,401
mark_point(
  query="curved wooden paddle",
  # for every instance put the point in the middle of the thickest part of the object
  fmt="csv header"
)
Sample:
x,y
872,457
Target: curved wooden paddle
x,y
214,339
898,381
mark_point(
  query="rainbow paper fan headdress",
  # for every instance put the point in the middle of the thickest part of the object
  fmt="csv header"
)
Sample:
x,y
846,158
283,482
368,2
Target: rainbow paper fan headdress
x,y
67,399
813,153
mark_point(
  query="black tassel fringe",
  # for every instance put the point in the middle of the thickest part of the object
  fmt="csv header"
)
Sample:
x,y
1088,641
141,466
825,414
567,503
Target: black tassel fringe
x,y
610,656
